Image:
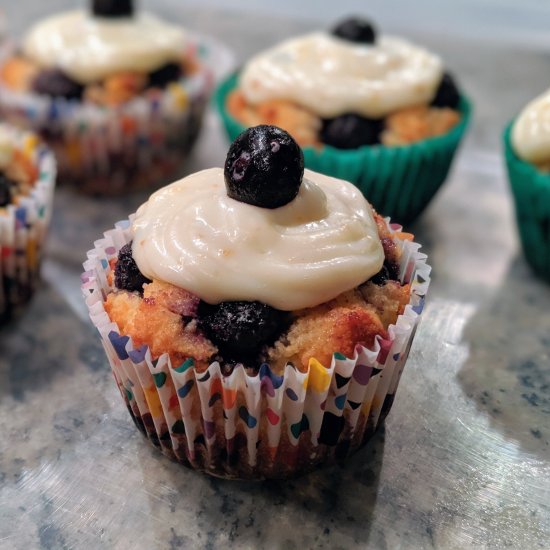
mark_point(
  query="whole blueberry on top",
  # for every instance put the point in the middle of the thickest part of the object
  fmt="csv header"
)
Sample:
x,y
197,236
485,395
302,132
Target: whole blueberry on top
x,y
112,8
355,29
447,95
264,167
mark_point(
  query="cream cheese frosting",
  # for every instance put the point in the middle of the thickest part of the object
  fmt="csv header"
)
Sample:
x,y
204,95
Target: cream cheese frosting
x,y
331,76
322,243
531,131
89,48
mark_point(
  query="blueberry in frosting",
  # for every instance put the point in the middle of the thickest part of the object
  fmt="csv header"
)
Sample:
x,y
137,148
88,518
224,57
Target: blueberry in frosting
x,y
113,8
355,29
264,167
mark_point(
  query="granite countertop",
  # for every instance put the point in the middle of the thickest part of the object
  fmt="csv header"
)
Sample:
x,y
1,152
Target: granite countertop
x,y
464,458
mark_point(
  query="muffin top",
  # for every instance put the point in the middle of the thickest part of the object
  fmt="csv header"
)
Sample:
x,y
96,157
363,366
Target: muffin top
x,y
531,131
244,244
89,47
332,75
18,172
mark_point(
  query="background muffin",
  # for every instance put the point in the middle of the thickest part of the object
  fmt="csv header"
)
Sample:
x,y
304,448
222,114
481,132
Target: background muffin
x,y
119,95
27,180
375,110
257,374
527,151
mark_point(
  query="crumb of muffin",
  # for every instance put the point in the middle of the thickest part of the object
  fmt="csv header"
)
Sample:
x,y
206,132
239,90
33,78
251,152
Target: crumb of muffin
x,y
150,321
18,73
117,89
300,123
418,123
335,326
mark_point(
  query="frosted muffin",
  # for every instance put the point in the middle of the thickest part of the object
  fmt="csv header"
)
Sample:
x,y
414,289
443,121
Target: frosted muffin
x,y
119,95
27,180
527,150
257,317
376,110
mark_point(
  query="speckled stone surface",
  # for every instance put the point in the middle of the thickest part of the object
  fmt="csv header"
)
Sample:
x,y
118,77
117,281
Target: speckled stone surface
x,y
464,459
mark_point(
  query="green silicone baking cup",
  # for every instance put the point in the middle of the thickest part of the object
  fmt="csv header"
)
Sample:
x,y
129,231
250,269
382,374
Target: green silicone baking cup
x,y
398,181
531,190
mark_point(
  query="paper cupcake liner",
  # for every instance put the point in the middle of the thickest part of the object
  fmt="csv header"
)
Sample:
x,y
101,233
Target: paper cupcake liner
x,y
531,190
23,227
262,426
112,150
398,181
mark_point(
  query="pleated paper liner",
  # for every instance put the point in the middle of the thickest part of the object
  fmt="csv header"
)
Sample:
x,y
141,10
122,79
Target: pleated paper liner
x,y
531,191
398,181
112,150
23,226
265,426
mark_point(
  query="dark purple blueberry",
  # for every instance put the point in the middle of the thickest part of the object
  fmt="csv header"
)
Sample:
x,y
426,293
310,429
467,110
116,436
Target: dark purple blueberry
x,y
7,189
127,274
240,329
389,272
351,131
355,29
171,72
55,83
264,167
112,8
447,94
381,277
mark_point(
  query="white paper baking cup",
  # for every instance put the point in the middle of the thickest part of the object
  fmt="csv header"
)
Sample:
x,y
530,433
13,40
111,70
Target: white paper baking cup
x,y
113,150
262,426
23,226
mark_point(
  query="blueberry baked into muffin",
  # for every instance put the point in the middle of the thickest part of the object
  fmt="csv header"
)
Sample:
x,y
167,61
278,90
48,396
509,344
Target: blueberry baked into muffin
x,y
118,93
377,110
257,289
27,179
527,151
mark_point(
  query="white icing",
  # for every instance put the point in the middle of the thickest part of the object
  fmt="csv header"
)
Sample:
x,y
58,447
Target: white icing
x,y
331,76
90,48
321,244
531,131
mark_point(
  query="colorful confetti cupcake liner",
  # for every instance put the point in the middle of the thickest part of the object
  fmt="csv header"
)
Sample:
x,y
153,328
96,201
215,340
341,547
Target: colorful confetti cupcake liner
x,y
264,426
398,181
112,150
23,226
531,190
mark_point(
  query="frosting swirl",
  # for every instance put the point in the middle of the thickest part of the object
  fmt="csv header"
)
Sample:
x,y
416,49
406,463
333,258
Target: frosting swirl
x,y
331,76
531,131
90,48
321,244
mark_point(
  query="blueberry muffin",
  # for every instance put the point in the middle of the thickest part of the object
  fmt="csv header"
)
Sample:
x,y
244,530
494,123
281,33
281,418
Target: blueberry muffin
x,y
118,94
257,317
527,151
374,109
27,179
